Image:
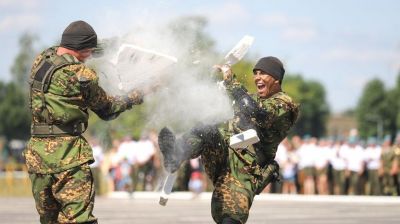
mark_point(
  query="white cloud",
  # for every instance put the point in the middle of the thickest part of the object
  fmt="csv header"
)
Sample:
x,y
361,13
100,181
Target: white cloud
x,y
291,28
302,34
228,14
19,22
357,81
18,15
20,4
361,55
395,66
275,20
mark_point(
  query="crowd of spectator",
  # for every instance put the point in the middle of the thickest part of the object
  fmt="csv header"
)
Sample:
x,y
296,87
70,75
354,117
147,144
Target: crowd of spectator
x,y
341,167
129,165
308,166
135,165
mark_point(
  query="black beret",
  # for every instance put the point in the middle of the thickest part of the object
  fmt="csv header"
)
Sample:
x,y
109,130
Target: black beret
x,y
272,66
79,35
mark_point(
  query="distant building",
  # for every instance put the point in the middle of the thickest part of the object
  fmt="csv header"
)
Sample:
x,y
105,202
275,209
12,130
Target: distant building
x,y
340,125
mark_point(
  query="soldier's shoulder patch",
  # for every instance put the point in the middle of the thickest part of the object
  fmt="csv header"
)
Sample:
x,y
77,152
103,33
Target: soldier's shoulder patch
x,y
36,63
283,96
74,67
38,59
273,101
86,74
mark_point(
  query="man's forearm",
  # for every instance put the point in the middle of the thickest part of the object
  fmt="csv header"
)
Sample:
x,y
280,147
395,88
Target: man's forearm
x,y
247,105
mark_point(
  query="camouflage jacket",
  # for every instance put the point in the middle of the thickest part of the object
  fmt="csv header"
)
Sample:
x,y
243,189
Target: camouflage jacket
x,y
397,154
280,114
72,91
388,157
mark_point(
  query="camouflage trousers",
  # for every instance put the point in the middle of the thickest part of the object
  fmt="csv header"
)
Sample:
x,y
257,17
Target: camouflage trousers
x,y
389,184
339,182
65,197
235,174
373,182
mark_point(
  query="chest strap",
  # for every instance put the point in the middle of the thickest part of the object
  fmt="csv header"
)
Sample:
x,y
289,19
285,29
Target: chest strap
x,y
43,74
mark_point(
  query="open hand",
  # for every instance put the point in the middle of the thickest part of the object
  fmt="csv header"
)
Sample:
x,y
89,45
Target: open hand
x,y
226,71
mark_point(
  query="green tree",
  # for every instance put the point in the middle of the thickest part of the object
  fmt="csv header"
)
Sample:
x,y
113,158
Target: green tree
x,y
390,111
23,61
189,31
130,123
14,119
397,93
314,110
244,74
14,110
370,112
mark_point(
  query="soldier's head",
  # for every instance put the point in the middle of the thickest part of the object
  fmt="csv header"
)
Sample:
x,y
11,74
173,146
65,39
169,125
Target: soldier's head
x,y
80,39
268,75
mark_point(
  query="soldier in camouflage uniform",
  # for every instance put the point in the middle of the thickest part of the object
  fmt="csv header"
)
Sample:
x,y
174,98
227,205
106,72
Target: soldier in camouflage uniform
x,y
387,171
57,155
238,174
396,163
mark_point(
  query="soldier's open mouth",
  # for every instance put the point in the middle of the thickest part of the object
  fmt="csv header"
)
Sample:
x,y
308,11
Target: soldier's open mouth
x,y
260,86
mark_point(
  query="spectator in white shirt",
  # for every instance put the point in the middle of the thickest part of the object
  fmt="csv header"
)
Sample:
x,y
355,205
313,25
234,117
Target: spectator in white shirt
x,y
321,166
306,154
338,168
354,157
372,159
142,166
287,159
95,167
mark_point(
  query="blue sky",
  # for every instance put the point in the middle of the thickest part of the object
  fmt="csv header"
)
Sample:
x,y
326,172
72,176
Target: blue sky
x,y
342,44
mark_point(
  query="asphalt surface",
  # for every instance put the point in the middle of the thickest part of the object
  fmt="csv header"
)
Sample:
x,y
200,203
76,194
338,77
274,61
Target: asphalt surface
x,y
277,209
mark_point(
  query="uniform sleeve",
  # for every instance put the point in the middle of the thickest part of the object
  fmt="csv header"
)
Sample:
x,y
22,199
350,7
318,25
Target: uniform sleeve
x,y
105,106
260,114
280,112
232,84
274,110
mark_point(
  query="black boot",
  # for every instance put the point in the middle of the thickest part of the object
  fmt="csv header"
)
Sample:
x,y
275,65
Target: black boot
x,y
228,220
167,143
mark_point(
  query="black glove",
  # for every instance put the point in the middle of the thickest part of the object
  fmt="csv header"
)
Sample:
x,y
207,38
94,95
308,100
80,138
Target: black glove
x,y
248,107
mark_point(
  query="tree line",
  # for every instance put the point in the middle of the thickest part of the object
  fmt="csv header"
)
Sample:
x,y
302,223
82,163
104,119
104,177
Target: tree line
x,y
377,112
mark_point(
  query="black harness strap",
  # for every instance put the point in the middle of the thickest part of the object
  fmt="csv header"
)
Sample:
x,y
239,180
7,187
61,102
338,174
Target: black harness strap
x,y
40,82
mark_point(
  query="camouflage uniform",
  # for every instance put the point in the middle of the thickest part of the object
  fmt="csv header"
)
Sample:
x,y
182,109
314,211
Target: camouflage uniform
x,y
57,155
397,166
239,174
388,181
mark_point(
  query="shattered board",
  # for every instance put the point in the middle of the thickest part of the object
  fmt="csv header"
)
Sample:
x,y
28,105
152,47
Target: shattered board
x,y
131,67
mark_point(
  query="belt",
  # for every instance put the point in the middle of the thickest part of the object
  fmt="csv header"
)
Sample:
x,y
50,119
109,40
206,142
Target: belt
x,y
260,157
45,130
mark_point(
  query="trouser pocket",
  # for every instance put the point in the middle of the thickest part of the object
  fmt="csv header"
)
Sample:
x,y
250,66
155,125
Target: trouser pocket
x,y
269,174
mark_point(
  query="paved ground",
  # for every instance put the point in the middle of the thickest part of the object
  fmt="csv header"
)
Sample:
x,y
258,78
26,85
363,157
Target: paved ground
x,y
276,209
